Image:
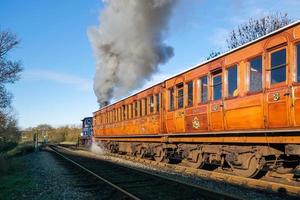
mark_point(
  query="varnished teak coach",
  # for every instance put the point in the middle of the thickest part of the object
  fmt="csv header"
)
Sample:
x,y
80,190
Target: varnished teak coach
x,y
240,110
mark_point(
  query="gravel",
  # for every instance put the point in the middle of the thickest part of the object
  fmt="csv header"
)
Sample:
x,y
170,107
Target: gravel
x,y
46,177
242,192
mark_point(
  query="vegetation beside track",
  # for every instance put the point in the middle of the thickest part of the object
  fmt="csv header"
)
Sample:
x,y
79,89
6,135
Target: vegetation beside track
x,y
51,134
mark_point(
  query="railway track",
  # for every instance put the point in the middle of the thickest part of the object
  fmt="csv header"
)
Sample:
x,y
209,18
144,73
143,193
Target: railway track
x,y
137,183
260,184
265,185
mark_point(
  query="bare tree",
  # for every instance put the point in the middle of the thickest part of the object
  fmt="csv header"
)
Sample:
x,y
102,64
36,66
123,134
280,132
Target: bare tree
x,y
9,70
253,29
213,54
9,73
256,28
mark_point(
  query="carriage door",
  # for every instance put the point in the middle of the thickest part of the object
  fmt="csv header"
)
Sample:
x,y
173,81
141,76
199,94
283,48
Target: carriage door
x,y
179,114
296,89
216,105
278,92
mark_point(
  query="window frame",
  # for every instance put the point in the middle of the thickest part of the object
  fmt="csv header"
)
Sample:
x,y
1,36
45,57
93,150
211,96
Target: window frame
x,y
177,95
136,114
248,76
151,104
130,111
235,65
187,93
140,111
171,102
269,69
199,81
213,75
157,102
297,61
145,106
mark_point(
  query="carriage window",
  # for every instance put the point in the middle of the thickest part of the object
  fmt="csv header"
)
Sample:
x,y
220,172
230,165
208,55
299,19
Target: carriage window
x,y
146,106
140,107
130,111
298,63
114,115
190,93
180,95
232,81
203,89
171,98
256,74
110,117
123,112
127,112
151,104
136,109
278,66
217,85
157,102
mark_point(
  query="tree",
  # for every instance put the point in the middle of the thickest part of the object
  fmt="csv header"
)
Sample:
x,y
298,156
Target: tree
x,y
9,70
9,73
213,54
253,29
256,28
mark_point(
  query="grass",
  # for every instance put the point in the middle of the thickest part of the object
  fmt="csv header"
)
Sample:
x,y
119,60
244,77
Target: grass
x,y
21,149
12,174
7,163
12,177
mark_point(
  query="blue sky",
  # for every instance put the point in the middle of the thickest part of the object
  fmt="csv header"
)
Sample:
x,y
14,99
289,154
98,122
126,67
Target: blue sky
x,y
56,85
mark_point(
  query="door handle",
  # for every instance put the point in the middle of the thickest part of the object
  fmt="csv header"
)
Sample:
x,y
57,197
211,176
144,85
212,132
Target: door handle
x,y
287,94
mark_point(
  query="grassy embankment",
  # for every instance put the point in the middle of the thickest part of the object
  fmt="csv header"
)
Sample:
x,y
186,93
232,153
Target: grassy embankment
x,y
12,172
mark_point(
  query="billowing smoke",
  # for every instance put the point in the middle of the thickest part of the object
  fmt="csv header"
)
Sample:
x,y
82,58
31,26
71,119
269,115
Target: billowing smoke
x,y
128,45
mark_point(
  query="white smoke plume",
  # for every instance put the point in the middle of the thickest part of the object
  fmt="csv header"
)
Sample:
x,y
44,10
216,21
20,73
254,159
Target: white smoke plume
x,y
97,148
128,45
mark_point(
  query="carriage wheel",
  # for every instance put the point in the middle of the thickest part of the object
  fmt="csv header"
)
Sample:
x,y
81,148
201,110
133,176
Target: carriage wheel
x,y
198,163
140,153
161,155
254,168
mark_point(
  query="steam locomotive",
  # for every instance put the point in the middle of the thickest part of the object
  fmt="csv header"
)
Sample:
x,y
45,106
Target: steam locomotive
x,y
87,131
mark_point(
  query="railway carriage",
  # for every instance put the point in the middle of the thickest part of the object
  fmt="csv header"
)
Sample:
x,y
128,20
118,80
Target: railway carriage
x,y
240,110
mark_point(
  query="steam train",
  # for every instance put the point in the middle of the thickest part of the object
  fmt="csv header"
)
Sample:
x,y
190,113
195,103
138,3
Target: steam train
x,y
239,110
87,131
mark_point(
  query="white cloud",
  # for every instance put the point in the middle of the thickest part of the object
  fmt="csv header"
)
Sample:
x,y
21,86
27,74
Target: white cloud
x,y
68,79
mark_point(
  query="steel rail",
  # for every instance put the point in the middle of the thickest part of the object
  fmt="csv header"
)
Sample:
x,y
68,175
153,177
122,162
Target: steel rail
x,y
96,175
213,175
208,191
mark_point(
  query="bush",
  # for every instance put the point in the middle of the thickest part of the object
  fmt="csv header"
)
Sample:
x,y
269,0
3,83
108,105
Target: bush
x,y
50,134
6,146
